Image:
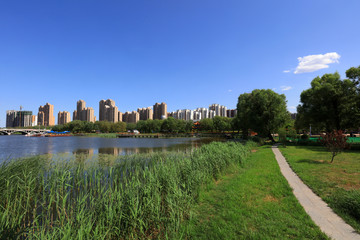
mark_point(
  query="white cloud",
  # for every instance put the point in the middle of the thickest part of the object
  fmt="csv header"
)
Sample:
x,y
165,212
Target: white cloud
x,y
312,63
285,88
229,90
286,71
292,107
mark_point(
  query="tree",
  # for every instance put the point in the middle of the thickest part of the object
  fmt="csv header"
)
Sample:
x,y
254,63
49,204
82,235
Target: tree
x,y
222,123
243,114
118,127
329,104
262,111
206,124
170,125
335,142
353,74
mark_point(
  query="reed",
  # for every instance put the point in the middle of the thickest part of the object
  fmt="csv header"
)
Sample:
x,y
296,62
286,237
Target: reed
x,y
135,196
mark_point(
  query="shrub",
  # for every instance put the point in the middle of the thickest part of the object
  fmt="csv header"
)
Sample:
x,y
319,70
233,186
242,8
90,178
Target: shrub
x,y
348,202
258,140
304,137
335,142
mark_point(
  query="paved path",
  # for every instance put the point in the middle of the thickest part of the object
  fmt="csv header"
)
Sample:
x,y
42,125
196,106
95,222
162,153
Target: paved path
x,y
330,223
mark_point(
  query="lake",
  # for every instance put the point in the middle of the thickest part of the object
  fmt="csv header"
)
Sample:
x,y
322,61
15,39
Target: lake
x,y
15,146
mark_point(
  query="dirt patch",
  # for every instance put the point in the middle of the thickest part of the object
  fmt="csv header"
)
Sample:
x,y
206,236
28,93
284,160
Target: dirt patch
x,y
253,150
270,198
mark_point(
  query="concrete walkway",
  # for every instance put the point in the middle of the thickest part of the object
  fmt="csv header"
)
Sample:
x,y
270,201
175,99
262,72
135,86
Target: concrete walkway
x,y
330,223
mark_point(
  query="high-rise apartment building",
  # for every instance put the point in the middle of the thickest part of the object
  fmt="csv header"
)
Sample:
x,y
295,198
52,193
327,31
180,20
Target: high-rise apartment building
x,y
88,114
120,116
108,111
63,117
46,115
219,110
131,117
34,120
160,111
18,118
145,113
83,113
231,113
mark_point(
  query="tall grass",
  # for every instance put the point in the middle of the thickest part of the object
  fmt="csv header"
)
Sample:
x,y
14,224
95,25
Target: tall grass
x,y
136,196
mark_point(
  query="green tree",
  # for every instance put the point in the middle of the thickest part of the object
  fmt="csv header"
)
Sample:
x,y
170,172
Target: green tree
x,y
353,74
206,124
262,111
222,124
131,126
243,114
189,126
170,125
329,104
118,127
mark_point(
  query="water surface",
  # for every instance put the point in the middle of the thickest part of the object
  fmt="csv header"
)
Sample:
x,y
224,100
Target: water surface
x,y
15,146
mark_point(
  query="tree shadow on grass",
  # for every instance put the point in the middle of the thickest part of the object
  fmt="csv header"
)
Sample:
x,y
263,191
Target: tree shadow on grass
x,y
311,161
312,148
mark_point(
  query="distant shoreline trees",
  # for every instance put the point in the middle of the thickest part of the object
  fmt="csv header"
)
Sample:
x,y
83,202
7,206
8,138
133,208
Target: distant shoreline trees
x,y
169,125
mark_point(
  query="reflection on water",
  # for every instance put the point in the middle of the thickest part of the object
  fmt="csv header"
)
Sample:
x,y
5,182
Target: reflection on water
x,y
87,147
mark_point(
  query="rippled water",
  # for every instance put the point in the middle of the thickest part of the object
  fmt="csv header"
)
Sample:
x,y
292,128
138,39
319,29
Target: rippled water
x,y
15,146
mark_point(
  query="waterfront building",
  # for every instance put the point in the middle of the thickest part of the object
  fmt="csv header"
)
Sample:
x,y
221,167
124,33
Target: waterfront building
x,y
184,114
231,113
120,116
220,110
160,111
18,118
212,113
131,117
83,113
89,115
204,112
108,111
197,116
46,115
63,117
34,120
145,113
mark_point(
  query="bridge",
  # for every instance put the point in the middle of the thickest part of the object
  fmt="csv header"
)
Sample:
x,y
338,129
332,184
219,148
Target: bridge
x,y
9,131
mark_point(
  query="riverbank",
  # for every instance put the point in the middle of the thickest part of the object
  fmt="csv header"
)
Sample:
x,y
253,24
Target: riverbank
x,y
136,196
159,135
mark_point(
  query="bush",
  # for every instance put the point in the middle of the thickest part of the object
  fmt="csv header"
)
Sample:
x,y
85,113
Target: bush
x,y
304,137
348,202
258,140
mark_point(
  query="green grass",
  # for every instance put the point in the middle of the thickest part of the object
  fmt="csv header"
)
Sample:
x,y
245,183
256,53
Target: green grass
x,y
337,183
254,202
126,197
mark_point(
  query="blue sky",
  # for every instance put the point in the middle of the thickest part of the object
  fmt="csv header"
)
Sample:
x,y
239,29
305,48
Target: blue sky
x,y
186,53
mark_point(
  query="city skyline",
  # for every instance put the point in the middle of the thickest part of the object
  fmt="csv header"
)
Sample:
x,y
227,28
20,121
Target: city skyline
x,y
187,54
84,113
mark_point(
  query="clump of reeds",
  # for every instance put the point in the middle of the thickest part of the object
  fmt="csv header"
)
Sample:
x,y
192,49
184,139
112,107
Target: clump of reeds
x,y
135,196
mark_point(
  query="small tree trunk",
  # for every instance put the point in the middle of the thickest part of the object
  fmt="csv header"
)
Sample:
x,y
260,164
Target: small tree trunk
x,y
332,159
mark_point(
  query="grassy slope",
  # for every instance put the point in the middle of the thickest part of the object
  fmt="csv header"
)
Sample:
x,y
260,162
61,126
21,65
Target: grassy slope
x,y
330,181
254,202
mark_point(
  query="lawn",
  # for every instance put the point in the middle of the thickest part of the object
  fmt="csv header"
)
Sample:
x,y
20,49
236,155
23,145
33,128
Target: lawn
x,y
337,183
253,202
